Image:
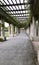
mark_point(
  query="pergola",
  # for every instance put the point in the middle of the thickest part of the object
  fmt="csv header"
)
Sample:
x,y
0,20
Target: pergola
x,y
19,11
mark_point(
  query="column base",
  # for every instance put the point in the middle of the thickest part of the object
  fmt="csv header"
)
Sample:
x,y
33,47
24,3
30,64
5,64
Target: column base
x,y
31,38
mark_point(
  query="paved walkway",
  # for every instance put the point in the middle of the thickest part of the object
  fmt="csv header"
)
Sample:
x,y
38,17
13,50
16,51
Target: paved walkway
x,y
16,52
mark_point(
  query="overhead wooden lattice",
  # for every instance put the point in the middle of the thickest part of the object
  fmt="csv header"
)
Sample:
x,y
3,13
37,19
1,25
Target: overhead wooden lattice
x,y
20,9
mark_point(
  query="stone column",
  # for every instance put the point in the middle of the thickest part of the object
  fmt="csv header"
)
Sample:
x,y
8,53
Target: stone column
x,y
34,26
38,27
32,29
0,27
28,31
37,31
12,30
9,30
2,30
17,30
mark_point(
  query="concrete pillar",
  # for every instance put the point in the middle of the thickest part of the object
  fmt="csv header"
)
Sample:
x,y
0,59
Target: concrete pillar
x,y
0,27
32,29
28,31
17,30
2,30
11,30
37,32
38,28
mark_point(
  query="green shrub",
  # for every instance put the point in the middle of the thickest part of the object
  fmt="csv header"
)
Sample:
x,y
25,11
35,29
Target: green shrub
x,y
1,40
